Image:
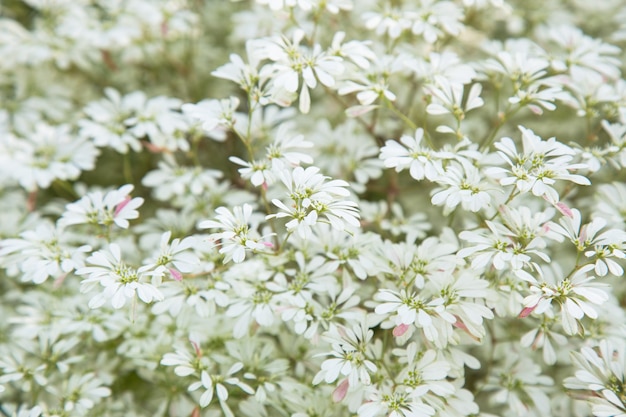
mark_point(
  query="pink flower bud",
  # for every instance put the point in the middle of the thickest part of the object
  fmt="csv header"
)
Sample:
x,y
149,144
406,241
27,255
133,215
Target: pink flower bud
x,y
196,348
176,274
340,392
400,329
526,311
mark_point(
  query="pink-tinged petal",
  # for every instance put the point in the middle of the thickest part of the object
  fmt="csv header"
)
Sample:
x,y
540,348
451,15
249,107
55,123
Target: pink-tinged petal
x,y
400,330
356,111
460,325
121,206
196,348
526,311
176,274
564,209
342,389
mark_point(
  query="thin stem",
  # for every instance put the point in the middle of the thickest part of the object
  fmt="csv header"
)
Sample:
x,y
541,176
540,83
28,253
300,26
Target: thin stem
x,y
128,171
392,189
65,186
514,193
316,21
407,121
491,360
369,127
502,119
272,221
391,106
194,151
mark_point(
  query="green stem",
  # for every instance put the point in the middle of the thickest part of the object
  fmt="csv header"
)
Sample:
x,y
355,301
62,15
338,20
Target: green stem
x,y
128,171
369,127
391,106
513,194
502,119
407,121
64,186
272,221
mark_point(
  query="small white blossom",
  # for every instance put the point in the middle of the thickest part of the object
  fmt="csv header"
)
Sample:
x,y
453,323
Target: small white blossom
x,y
462,184
421,161
538,167
238,232
120,282
45,154
98,208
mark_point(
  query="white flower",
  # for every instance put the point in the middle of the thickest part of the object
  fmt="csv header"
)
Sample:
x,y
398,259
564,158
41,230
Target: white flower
x,y
355,251
41,253
391,21
45,154
412,265
422,161
543,337
410,308
172,180
184,361
313,196
216,116
82,393
357,51
394,402
349,356
538,167
216,385
582,53
494,246
292,62
348,152
283,151
238,232
156,117
372,86
414,227
253,305
463,293
425,372
436,18
240,72
119,281
173,258
605,245
441,65
600,373
258,172
184,297
518,385
448,99
575,294
106,123
610,202
114,207
461,184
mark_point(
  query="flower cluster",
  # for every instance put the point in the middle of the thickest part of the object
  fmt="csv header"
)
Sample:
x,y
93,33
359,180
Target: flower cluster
x,y
377,208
